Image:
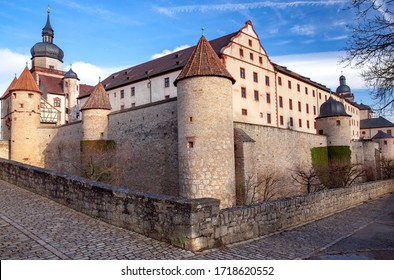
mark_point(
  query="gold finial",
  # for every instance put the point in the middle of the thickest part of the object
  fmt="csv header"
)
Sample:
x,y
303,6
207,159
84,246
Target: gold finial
x,y
49,8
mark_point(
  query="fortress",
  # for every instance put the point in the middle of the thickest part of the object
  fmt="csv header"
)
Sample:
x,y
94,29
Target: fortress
x,y
202,122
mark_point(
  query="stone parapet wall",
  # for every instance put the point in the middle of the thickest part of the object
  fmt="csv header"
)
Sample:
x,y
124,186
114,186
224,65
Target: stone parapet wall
x,y
194,224
165,218
246,222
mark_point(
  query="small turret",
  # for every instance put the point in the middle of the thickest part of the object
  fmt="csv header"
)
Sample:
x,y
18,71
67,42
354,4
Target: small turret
x,y
386,144
71,89
334,122
343,90
205,127
95,114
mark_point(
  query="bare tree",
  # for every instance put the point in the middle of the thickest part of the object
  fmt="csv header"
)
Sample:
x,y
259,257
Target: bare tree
x,y
263,188
308,178
341,175
371,47
387,168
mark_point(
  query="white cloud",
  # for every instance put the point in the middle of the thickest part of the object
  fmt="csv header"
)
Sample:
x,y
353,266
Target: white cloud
x,y
90,74
243,6
165,52
303,29
11,63
322,68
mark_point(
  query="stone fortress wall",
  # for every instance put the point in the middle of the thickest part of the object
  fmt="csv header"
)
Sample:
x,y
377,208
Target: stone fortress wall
x,y
146,155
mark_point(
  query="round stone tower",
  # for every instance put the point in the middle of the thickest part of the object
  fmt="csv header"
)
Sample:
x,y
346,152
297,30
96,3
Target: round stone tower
x,y
95,114
71,89
25,120
205,127
334,122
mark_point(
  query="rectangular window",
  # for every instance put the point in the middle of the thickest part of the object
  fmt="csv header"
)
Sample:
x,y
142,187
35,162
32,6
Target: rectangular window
x,y
243,92
306,90
289,84
268,118
241,52
242,73
251,56
267,81
133,104
260,59
166,82
389,132
319,95
280,102
132,91
250,43
291,122
268,98
290,104
244,112
298,88
307,124
56,102
280,81
121,107
300,123
121,93
313,93
255,77
307,108
256,95
314,110
281,120
299,106
115,94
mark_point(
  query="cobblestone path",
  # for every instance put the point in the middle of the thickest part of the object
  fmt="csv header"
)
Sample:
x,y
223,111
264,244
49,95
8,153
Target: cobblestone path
x,y
33,227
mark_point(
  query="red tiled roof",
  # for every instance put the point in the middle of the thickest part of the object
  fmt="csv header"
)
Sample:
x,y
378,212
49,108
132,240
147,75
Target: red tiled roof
x,y
26,82
204,62
85,90
166,64
49,84
98,99
7,92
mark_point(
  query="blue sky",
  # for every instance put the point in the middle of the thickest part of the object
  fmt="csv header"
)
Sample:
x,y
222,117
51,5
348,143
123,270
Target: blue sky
x,y
100,37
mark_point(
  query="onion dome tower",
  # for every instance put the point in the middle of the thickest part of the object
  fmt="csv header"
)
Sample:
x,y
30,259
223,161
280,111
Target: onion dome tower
x,y
334,122
25,119
205,127
94,114
343,90
46,54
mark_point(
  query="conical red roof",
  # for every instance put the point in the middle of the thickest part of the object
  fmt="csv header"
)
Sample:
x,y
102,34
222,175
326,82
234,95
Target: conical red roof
x,y
204,62
7,92
26,82
98,99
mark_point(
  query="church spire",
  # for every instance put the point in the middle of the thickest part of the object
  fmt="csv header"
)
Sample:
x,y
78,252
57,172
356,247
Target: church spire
x,y
47,31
